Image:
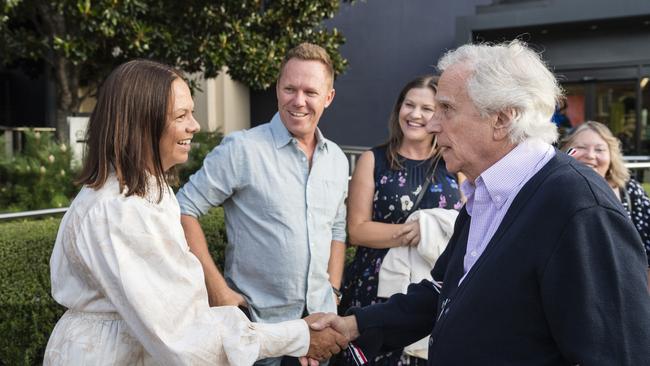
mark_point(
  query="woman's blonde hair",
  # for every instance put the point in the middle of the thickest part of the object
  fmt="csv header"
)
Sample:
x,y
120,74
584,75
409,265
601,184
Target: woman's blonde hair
x,y
617,174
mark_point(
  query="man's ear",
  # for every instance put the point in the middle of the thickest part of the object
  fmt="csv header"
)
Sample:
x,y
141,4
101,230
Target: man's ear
x,y
501,125
329,97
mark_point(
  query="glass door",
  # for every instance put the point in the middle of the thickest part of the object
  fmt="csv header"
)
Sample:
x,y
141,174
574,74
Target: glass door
x,y
616,104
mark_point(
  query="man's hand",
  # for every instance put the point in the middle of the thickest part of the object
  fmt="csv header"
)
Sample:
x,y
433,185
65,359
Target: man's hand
x,y
408,234
226,296
323,343
346,326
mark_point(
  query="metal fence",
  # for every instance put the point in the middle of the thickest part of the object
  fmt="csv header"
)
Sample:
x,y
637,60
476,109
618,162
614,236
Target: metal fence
x,y
12,137
353,153
638,165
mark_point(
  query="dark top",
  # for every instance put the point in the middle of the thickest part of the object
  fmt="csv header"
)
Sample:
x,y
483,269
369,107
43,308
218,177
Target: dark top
x,y
562,281
636,202
395,194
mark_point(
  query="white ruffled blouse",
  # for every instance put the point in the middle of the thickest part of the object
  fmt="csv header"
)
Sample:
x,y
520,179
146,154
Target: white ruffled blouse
x,y
136,295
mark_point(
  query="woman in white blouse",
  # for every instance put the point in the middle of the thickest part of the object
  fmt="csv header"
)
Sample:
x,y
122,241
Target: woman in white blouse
x,y
135,294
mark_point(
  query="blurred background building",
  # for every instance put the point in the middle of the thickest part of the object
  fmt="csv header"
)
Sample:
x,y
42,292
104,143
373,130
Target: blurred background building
x,y
600,50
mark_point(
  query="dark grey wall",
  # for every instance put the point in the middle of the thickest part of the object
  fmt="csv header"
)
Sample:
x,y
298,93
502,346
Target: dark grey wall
x,y
391,41
585,45
572,33
388,42
540,12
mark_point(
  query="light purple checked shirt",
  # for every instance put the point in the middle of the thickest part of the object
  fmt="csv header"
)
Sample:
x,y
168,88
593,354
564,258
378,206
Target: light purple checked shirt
x,y
492,193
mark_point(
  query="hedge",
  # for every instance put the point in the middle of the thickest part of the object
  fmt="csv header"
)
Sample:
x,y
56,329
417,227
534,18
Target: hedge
x,y
27,311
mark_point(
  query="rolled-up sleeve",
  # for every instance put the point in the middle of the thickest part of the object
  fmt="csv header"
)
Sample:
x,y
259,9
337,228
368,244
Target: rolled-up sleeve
x,y
338,227
339,224
217,179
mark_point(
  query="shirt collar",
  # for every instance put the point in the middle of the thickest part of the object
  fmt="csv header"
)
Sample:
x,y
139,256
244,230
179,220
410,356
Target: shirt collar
x,y
282,136
468,190
506,176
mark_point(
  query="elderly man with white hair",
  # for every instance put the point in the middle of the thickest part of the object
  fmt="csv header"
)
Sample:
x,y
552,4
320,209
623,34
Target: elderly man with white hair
x,y
544,266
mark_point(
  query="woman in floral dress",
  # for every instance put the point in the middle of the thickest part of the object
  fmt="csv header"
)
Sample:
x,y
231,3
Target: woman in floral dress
x,y
383,191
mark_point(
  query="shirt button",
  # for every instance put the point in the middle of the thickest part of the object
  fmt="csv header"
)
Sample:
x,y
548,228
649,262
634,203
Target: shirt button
x,y
497,198
473,253
304,158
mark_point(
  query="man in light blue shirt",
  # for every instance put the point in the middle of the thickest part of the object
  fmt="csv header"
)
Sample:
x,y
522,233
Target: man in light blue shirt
x,y
283,188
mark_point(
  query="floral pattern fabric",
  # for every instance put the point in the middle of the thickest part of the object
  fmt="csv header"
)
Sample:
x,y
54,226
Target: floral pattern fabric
x,y
639,212
395,194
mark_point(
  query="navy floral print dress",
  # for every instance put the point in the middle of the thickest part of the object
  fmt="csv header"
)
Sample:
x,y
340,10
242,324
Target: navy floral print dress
x,y
395,194
636,202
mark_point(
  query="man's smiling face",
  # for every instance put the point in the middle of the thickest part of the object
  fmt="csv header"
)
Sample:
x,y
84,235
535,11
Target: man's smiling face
x,y
304,90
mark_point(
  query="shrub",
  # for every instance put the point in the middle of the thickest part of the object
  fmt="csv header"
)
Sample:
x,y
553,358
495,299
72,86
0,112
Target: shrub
x,y
41,176
202,144
27,311
38,177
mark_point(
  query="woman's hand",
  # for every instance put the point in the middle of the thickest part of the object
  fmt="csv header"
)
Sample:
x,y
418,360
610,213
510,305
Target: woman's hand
x,y
408,234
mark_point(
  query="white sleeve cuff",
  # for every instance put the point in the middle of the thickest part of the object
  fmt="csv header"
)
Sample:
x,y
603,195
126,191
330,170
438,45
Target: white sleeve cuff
x,y
289,338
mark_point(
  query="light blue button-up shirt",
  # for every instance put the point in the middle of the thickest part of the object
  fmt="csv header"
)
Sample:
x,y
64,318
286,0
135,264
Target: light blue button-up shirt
x,y
280,217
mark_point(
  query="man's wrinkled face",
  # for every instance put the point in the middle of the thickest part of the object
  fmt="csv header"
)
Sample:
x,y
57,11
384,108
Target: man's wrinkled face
x,y
465,137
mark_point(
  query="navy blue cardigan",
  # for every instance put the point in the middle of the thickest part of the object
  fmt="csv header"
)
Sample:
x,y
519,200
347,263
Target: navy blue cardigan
x,y
563,281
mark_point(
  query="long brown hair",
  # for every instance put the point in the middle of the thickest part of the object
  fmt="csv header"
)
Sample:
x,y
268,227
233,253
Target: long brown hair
x,y
395,134
126,125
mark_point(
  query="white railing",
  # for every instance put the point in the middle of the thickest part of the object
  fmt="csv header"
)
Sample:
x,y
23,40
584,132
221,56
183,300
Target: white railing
x,y
32,214
352,152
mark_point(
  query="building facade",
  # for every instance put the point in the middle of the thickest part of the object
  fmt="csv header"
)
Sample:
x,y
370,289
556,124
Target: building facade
x,y
599,49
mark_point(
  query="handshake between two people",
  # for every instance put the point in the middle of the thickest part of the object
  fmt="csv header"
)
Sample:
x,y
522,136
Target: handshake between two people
x,y
329,334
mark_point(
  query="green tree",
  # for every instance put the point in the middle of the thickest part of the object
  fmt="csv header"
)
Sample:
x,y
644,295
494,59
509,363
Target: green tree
x,y
82,40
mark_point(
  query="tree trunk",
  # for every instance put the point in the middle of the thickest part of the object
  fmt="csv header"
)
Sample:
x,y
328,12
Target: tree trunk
x,y
67,82
66,74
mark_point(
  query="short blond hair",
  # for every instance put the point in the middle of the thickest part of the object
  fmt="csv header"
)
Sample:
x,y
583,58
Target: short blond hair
x,y
310,52
617,174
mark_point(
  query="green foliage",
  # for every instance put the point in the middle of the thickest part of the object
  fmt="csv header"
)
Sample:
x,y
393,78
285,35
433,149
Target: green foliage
x,y
350,252
214,227
646,187
83,40
202,144
27,311
38,177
